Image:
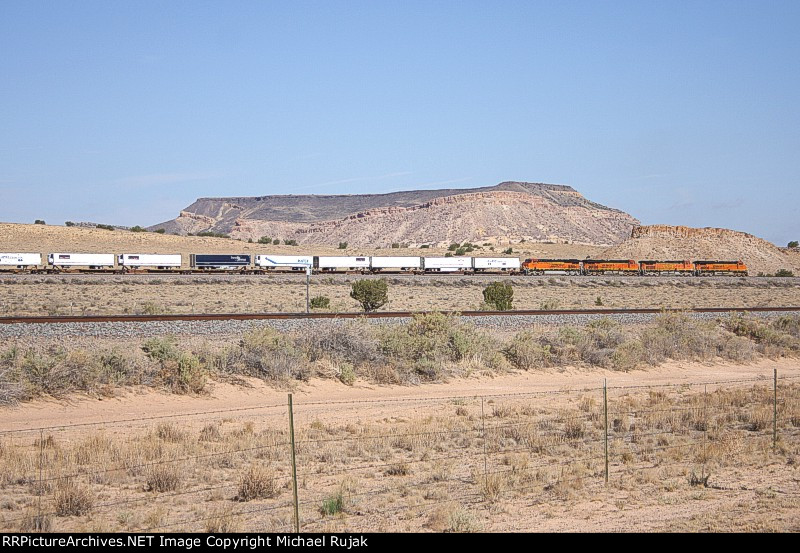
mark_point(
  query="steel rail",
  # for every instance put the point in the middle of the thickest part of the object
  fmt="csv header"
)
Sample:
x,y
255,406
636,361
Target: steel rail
x,y
373,315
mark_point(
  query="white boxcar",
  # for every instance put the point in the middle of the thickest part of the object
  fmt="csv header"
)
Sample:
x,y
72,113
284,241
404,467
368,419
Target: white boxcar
x,y
340,262
447,264
149,260
495,263
81,259
293,262
404,263
20,259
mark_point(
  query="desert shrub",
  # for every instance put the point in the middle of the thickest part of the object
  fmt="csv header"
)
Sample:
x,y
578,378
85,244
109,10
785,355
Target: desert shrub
x,y
627,356
425,344
39,222
352,342
105,227
342,245
784,273
320,302
69,224
160,231
346,374
290,242
777,337
371,294
500,295
265,240
181,371
526,352
793,244
269,355
137,228
72,499
163,478
257,482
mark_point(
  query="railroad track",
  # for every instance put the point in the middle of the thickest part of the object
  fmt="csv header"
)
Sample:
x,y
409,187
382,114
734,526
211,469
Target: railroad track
x,y
376,315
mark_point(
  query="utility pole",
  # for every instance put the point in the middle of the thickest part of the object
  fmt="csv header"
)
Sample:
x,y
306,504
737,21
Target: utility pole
x,y
308,284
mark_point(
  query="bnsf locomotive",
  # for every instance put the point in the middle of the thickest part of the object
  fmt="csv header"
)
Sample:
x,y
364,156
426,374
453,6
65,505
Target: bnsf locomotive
x,y
262,264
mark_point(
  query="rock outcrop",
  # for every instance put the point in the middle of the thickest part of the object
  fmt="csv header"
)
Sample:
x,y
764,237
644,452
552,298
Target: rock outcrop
x,y
676,242
507,213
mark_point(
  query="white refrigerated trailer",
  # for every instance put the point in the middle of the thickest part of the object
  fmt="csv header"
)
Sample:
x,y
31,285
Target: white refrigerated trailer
x,y
448,264
157,261
91,261
21,261
284,262
491,264
398,263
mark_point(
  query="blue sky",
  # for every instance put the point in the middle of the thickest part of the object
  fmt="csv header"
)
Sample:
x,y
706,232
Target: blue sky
x,y
678,112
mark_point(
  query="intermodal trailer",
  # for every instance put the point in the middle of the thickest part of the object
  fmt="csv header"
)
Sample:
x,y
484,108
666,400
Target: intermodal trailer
x,y
160,262
395,263
341,263
711,268
553,266
12,261
91,261
219,262
447,264
501,264
657,268
610,267
284,262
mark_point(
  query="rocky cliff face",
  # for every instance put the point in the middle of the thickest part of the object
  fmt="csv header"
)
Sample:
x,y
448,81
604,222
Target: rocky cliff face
x,y
506,213
676,242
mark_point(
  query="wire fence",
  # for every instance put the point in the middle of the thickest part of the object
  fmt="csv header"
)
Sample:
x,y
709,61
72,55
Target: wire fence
x,y
445,463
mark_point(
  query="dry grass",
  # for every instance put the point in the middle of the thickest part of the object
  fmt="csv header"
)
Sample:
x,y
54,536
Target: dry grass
x,y
422,468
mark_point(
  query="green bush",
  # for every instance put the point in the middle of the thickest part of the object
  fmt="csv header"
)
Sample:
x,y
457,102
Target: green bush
x,y
289,242
265,240
526,352
137,228
784,273
371,294
793,244
39,222
160,231
500,295
342,245
320,302
69,224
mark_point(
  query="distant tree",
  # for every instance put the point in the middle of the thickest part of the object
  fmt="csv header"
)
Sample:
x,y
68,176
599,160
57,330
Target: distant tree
x,y
105,227
290,242
137,228
508,251
69,224
342,245
265,240
395,245
794,244
276,241
39,222
784,273
161,231
453,247
371,294
424,246
461,251
499,295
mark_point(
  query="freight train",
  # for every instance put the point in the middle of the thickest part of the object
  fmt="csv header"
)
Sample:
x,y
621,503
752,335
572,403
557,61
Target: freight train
x,y
263,264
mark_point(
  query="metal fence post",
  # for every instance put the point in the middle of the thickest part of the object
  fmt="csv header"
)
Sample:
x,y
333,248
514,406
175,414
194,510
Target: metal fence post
x,y
605,426
40,521
294,468
774,410
483,425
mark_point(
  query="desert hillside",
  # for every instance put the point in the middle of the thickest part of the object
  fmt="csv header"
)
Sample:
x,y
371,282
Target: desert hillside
x,y
671,242
504,214
46,239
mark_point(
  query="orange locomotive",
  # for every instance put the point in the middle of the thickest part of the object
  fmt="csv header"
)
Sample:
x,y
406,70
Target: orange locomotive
x,y
682,268
542,266
711,268
611,266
